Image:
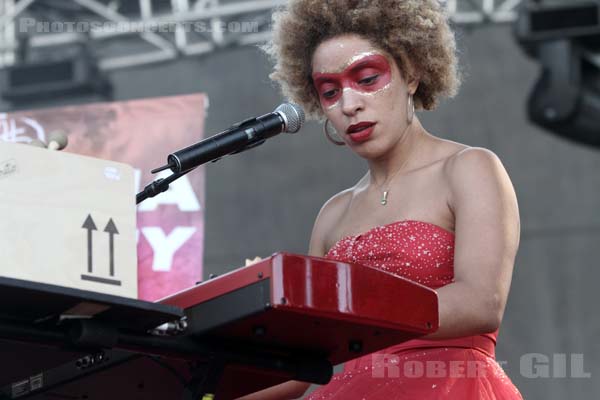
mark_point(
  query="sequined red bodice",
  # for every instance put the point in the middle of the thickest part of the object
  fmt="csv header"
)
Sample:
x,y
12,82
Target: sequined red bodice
x,y
419,251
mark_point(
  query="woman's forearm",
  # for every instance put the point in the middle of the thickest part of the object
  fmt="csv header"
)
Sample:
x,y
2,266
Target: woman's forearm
x,y
464,311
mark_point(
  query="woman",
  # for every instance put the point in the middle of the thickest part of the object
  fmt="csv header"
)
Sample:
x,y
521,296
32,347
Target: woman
x,y
434,211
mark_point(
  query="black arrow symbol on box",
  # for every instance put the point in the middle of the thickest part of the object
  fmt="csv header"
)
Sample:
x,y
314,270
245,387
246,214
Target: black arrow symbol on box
x,y
112,231
90,226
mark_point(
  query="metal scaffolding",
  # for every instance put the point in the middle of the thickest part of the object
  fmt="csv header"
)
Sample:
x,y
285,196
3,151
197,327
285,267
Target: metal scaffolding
x,y
163,30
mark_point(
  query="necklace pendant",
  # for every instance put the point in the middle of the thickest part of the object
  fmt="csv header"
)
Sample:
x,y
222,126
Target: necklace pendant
x,y
384,198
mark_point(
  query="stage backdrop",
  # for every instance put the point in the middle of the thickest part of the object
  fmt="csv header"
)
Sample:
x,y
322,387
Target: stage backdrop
x,y
140,133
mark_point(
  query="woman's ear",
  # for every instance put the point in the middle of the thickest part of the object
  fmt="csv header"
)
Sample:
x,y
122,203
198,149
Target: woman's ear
x,y
413,83
410,74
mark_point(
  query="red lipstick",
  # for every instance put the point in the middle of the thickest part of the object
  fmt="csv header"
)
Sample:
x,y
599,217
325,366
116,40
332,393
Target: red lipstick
x,y
360,132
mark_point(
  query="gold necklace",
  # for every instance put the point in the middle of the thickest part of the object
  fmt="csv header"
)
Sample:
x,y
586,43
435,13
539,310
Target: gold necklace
x,y
385,193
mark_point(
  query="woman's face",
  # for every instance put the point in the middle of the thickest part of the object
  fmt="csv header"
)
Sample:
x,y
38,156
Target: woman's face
x,y
362,92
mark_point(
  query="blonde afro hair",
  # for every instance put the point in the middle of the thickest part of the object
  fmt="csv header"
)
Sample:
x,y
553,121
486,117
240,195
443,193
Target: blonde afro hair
x,y
415,32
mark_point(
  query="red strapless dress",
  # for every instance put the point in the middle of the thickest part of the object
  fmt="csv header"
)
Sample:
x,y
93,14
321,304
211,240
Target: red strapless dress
x,y
463,368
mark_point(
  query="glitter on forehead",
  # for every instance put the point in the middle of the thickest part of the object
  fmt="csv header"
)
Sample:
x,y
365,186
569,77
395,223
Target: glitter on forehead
x,y
367,94
351,61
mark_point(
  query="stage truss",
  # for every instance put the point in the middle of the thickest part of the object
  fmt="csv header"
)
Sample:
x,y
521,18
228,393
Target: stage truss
x,y
163,30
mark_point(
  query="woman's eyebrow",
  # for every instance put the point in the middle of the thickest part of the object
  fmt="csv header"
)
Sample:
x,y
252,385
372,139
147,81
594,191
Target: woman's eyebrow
x,y
363,63
359,64
320,77
351,68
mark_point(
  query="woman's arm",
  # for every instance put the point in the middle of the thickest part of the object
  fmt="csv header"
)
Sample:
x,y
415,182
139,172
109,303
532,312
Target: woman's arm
x,y
486,242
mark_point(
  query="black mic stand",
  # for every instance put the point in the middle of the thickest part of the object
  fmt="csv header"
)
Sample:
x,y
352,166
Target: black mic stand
x,y
158,186
162,185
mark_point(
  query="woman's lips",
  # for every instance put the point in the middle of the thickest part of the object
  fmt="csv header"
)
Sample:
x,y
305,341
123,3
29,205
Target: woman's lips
x,y
360,132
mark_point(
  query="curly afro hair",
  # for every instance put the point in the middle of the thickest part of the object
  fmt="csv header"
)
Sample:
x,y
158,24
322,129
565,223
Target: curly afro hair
x,y
415,32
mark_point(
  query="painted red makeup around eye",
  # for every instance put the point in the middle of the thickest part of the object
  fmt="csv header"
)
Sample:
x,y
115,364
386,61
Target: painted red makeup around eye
x,y
367,67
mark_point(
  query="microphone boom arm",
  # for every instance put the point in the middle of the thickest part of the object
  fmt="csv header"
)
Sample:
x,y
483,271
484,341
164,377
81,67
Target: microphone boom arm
x,y
158,186
242,136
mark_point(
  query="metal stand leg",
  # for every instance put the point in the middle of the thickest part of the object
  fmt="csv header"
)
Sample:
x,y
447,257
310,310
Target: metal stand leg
x,y
205,381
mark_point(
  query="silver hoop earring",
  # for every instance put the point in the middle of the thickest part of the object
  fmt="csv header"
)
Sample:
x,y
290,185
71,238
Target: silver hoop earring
x,y
332,137
410,109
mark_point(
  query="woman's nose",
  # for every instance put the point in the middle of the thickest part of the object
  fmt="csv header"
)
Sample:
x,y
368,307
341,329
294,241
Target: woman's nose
x,y
352,102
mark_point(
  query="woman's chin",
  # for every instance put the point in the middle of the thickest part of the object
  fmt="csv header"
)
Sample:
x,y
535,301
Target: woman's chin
x,y
370,150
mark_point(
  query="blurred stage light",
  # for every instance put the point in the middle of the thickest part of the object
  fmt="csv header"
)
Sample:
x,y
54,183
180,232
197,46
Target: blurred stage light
x,y
565,40
75,74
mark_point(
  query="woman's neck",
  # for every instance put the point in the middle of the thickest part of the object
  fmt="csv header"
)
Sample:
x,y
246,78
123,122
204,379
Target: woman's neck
x,y
401,157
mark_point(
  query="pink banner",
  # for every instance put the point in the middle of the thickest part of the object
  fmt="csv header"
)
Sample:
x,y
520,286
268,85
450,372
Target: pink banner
x,y
140,133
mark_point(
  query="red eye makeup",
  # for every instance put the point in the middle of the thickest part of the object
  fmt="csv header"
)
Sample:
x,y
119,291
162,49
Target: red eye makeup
x,y
366,73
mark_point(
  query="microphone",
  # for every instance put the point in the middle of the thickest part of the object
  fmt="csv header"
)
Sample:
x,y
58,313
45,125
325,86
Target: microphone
x,y
57,140
242,136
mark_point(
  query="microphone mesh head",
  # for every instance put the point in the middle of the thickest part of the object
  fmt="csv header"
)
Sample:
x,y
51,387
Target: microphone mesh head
x,y
293,115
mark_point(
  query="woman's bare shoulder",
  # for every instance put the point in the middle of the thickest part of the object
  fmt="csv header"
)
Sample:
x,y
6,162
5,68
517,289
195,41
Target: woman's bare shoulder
x,y
476,170
338,203
448,149
471,157
442,151
330,215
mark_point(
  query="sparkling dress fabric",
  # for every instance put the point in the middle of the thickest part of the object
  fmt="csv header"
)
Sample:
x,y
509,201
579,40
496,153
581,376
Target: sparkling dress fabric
x,y
462,368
